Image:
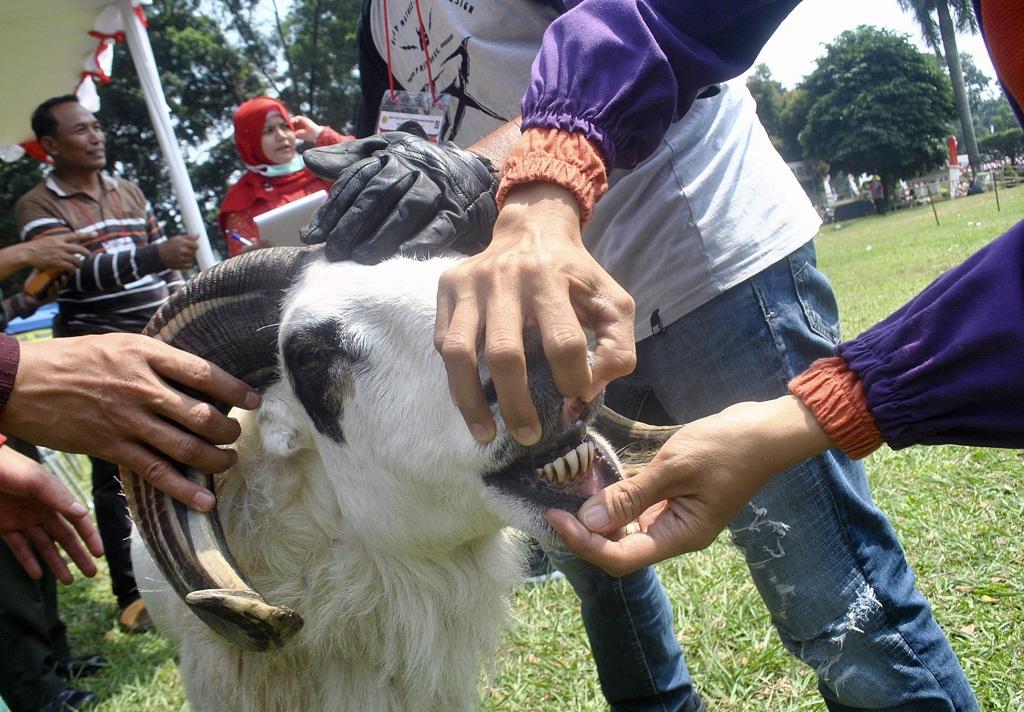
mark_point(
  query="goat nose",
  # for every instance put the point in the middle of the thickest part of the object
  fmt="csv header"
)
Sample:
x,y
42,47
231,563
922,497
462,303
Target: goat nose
x,y
539,375
533,348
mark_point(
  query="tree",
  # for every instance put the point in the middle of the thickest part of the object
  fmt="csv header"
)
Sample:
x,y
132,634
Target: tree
x,y
1002,144
876,104
796,105
953,15
308,58
323,59
976,85
989,109
768,94
780,111
204,78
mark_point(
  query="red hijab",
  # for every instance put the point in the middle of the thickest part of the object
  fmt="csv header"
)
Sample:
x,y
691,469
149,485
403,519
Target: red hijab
x,y
255,193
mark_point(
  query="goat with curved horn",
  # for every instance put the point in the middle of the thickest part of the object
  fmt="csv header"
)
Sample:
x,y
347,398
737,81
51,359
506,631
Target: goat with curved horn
x,y
228,315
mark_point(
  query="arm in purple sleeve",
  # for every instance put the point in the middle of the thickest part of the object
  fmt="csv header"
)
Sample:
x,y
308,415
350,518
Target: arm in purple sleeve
x,y
948,367
621,72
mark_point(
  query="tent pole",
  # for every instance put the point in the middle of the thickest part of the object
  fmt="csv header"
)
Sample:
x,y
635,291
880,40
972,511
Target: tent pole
x,y
159,115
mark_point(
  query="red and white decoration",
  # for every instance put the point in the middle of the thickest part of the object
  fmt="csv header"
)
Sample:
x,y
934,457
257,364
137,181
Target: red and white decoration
x,y
55,47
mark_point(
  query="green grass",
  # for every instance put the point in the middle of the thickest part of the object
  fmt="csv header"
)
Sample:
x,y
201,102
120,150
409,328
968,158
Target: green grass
x,y
958,512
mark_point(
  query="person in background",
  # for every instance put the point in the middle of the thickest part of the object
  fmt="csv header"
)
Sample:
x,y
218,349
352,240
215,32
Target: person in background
x,y
265,136
877,191
945,368
131,270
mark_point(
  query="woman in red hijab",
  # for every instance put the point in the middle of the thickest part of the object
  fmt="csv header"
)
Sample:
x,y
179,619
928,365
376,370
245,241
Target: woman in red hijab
x,y
265,135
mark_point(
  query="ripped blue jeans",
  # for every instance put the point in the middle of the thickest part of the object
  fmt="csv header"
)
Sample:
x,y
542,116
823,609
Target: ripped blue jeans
x,y
824,558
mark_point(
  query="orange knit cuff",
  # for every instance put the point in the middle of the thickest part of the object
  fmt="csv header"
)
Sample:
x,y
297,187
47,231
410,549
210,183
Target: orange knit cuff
x,y
555,156
835,396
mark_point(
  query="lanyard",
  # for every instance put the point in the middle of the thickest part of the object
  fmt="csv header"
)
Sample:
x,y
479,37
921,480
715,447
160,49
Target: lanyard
x,y
424,45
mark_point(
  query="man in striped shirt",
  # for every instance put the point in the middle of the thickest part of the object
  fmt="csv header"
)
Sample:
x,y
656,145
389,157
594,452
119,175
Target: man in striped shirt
x,y
131,271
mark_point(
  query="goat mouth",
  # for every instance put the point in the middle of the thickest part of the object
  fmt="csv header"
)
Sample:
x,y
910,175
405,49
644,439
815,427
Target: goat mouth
x,y
562,476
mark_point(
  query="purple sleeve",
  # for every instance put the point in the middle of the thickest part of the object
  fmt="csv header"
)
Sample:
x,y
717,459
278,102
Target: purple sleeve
x,y
622,71
948,367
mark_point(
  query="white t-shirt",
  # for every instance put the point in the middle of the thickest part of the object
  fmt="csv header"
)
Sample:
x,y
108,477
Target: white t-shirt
x,y
714,205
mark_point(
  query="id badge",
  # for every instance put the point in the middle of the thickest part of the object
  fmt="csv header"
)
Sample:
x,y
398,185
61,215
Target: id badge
x,y
418,106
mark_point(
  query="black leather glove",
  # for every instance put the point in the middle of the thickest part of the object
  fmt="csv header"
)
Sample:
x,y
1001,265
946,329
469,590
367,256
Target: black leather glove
x,y
398,193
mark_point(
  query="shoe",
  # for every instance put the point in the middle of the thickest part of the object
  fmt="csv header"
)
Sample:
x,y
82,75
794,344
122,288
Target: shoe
x,y
69,700
539,568
80,666
134,618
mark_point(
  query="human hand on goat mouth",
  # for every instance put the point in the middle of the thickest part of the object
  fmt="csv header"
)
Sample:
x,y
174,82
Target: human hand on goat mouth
x,y
693,487
535,272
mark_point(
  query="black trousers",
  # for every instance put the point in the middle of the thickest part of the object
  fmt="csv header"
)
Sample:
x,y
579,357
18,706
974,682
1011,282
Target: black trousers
x,y
32,636
115,527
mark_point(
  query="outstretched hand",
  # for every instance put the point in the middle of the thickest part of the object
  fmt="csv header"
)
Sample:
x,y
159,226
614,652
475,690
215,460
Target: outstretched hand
x,y
112,396
535,273
693,487
37,511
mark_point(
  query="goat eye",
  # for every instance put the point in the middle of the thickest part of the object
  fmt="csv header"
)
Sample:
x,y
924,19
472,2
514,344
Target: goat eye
x,y
311,358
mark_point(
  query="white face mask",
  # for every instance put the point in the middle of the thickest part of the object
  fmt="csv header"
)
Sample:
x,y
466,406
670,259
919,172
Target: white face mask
x,y
278,169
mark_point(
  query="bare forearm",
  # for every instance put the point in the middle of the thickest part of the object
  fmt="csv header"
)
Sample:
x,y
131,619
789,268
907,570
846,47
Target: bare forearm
x,y
786,433
496,145
12,259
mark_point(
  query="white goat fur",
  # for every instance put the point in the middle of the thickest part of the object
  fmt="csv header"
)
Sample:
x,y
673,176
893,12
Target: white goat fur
x,y
388,544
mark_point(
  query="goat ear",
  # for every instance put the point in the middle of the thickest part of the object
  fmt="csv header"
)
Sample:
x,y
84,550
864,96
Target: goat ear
x,y
277,418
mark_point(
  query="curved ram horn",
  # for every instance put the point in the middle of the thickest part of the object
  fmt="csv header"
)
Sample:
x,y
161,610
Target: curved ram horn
x,y
634,442
228,315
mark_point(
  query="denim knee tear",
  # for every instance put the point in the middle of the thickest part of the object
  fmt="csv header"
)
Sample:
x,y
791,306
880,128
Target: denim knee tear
x,y
828,647
760,537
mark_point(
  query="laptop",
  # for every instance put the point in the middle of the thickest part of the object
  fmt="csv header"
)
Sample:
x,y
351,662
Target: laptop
x,y
280,227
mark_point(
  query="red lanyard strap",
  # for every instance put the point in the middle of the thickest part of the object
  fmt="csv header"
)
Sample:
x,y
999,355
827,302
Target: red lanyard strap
x,y
424,45
387,47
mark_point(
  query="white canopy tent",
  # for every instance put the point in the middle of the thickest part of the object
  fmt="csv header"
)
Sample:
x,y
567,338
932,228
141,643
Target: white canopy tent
x,y
53,47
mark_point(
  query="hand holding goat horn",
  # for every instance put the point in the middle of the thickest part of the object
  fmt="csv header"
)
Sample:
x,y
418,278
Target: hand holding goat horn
x,y
112,396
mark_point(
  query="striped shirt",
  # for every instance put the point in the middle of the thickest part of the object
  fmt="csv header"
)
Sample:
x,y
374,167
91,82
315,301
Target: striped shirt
x,y
119,287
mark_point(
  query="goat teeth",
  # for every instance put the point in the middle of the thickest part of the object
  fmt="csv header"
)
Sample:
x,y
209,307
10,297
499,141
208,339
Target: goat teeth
x,y
583,454
540,472
560,468
574,463
549,471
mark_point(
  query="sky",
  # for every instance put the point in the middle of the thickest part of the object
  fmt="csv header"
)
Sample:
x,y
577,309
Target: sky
x,y
792,51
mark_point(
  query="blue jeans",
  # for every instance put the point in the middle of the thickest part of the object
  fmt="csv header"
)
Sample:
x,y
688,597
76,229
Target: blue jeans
x,y
823,557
